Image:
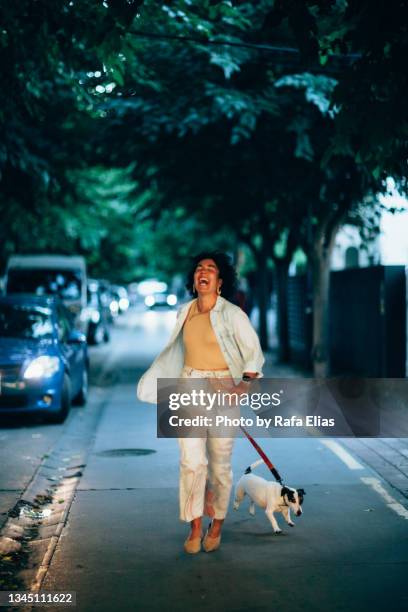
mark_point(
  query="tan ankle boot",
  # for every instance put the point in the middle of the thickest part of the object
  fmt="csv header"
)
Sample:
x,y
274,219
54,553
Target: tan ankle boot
x,y
210,543
193,545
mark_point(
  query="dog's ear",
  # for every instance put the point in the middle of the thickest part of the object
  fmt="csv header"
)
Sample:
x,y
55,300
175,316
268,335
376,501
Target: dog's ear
x,y
289,493
301,493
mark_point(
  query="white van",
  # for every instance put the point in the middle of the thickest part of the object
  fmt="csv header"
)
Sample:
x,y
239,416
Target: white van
x,y
62,275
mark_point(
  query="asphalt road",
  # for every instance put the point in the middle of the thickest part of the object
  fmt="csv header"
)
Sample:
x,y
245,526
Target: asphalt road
x,y
120,544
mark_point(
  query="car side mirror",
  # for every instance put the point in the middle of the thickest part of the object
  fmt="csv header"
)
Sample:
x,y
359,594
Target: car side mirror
x,y
76,337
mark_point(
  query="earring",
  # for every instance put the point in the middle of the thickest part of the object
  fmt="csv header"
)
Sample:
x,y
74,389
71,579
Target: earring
x,y
219,289
194,289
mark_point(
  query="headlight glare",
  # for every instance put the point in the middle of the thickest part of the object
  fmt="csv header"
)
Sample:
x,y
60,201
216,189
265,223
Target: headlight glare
x,y
114,306
95,316
42,367
123,303
171,299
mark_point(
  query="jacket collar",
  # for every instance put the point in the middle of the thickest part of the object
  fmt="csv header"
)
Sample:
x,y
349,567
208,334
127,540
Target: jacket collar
x,y
220,303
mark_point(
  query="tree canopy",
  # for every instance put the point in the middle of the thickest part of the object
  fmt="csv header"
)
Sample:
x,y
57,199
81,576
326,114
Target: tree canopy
x,y
199,107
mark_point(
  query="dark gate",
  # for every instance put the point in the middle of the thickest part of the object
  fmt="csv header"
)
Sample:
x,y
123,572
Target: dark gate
x,y
299,321
367,314
368,321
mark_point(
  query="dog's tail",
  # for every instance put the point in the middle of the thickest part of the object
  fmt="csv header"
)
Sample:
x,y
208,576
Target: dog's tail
x,y
253,466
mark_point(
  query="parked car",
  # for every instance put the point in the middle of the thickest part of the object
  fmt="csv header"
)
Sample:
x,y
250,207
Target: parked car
x,y
43,357
99,313
60,275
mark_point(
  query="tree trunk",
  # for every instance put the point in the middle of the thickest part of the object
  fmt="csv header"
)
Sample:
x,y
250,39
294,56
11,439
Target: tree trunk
x,y
263,298
322,251
262,286
281,276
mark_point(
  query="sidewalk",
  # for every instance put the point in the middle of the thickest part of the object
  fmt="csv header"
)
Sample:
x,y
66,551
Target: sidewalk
x,y
121,546
387,456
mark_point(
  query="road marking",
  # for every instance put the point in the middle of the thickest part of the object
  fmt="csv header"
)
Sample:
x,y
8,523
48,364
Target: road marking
x,y
342,454
392,503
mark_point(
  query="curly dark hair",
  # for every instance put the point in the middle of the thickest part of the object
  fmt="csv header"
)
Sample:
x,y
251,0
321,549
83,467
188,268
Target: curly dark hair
x,y
226,272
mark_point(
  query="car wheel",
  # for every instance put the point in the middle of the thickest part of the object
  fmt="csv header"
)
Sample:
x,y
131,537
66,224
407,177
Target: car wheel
x,y
82,396
61,415
106,335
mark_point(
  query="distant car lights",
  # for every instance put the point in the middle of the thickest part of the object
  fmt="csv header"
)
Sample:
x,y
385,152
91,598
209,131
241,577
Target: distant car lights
x,y
160,299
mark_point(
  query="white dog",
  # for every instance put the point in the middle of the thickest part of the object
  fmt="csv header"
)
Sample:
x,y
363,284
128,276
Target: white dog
x,y
271,496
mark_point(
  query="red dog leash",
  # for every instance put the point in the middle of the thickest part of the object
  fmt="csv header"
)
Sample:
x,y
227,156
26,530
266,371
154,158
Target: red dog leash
x,y
264,457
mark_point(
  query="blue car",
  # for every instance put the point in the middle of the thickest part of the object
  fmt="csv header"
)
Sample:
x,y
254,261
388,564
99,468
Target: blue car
x,y
43,358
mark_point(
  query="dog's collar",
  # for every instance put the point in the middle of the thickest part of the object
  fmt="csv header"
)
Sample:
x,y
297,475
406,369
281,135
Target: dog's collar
x,y
283,496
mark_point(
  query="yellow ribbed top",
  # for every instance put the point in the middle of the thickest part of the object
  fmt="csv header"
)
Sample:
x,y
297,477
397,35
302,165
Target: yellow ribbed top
x,y
201,348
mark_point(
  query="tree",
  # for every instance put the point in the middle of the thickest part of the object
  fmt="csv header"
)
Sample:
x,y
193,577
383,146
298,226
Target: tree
x,y
215,113
371,119
190,141
48,118
261,127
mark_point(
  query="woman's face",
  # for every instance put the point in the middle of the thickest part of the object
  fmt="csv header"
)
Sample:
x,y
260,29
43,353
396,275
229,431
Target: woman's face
x,y
206,277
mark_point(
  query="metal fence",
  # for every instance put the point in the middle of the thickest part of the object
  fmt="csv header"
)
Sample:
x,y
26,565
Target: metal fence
x,y
368,327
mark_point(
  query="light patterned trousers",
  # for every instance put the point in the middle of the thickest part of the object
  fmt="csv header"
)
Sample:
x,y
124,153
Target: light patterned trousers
x,y
205,467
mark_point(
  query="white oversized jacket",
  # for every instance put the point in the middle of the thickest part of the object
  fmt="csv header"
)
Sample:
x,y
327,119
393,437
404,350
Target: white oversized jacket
x,y
236,337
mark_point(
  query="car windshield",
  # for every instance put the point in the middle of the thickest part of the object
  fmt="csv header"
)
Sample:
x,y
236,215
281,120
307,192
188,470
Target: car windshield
x,y
25,321
65,283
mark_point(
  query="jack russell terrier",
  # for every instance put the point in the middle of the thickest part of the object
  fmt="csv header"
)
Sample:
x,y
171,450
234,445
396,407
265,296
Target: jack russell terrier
x,y
271,496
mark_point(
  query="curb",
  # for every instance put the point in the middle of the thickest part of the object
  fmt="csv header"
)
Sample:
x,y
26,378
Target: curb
x,y
31,533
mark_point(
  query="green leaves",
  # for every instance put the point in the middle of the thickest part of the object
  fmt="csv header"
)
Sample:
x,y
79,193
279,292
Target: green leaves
x,y
106,103
318,88
225,62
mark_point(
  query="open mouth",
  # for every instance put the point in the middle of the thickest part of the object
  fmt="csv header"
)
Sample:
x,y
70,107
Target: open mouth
x,y
203,282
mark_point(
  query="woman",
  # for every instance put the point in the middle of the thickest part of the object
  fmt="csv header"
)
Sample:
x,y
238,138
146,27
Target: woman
x,y
213,338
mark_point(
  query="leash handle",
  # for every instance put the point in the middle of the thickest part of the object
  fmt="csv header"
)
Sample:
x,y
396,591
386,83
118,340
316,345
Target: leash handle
x,y
267,461
276,475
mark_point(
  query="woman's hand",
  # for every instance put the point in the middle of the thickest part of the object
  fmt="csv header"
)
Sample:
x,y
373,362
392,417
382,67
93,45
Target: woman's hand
x,y
245,386
227,385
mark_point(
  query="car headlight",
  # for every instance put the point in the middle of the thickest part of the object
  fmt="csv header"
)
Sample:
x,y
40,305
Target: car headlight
x,y
123,303
95,316
171,299
114,306
42,367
